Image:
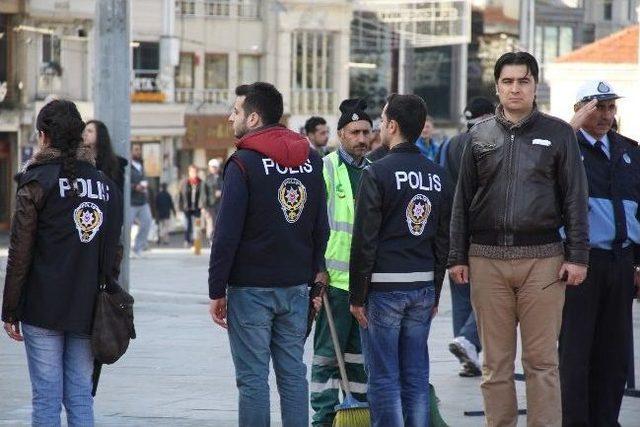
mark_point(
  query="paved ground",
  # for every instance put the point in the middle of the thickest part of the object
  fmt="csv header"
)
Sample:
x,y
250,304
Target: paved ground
x,y
179,370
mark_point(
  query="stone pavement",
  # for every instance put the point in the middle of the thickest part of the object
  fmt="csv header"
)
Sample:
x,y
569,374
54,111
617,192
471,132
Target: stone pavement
x,y
178,372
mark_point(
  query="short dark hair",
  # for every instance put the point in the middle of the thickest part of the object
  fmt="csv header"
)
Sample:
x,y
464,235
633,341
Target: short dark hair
x,y
410,112
516,58
312,123
264,100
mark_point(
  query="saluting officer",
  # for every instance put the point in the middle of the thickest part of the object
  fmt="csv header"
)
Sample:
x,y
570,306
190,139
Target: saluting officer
x,y
594,340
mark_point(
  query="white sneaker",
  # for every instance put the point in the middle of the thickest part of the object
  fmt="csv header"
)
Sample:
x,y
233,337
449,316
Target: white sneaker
x,y
465,352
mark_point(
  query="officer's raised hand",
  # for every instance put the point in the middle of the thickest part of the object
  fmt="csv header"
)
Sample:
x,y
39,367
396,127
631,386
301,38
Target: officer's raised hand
x,y
360,313
572,274
218,311
460,274
582,113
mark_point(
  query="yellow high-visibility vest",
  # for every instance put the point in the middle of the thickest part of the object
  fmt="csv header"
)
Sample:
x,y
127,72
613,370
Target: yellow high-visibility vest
x,y
340,208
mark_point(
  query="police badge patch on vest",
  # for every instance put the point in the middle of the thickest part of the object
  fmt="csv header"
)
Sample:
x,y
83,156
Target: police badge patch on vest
x,y
88,218
418,211
292,196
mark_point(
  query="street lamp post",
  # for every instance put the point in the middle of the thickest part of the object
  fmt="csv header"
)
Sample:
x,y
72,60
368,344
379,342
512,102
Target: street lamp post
x,y
111,94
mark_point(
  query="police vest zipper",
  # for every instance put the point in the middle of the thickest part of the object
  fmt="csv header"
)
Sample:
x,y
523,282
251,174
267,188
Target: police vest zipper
x,y
506,195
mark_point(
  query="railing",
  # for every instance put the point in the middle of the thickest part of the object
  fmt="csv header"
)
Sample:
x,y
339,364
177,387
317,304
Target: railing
x,y
217,8
249,9
145,81
186,7
313,101
242,9
203,96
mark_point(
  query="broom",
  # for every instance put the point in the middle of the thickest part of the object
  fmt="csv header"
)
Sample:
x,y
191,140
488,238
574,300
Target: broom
x,y
351,412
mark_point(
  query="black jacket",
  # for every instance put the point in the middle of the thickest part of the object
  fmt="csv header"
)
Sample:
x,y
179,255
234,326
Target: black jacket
x,y
138,198
164,205
56,238
518,185
187,200
401,229
455,148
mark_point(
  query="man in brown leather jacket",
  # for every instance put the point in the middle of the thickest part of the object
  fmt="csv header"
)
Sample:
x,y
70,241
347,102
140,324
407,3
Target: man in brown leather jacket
x,y
521,180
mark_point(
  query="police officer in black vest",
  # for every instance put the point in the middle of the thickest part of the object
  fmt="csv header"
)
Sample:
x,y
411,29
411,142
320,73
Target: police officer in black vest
x,y
68,216
397,265
271,235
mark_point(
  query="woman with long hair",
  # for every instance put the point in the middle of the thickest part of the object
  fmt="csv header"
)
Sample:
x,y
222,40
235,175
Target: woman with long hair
x,y
96,136
66,215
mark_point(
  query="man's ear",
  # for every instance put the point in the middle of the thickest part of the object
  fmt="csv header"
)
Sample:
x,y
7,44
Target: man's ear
x,y
392,127
253,119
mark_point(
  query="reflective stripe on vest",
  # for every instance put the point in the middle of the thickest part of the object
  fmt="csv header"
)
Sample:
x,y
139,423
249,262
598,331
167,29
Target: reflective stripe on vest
x,y
421,276
340,209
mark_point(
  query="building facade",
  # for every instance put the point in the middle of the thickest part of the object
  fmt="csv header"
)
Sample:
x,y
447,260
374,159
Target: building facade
x,y
300,47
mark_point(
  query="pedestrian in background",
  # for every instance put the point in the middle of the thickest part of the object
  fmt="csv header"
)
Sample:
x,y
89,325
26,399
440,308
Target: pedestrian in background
x,y
429,147
140,209
342,172
268,247
397,265
213,188
521,180
164,209
466,342
317,132
191,200
377,148
596,328
67,217
96,135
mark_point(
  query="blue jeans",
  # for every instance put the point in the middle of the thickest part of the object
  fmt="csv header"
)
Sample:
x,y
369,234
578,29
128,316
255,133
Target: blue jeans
x,y
464,319
269,323
60,366
397,356
141,215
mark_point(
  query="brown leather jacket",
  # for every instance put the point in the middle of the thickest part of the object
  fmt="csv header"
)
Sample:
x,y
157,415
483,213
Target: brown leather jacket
x,y
30,199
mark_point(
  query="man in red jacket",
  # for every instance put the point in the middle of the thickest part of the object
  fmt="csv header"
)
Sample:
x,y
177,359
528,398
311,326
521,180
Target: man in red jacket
x,y
269,245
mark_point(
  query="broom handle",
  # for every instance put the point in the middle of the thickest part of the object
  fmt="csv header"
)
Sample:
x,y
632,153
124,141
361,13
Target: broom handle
x,y
336,344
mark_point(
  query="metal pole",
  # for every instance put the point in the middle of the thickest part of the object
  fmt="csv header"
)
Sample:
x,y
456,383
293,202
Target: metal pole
x,y
523,29
462,85
532,26
111,95
402,61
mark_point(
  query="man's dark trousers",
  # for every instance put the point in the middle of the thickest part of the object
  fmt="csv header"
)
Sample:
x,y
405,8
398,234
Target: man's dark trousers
x,y
594,341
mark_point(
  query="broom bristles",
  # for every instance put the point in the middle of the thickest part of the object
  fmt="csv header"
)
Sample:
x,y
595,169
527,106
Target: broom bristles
x,y
352,417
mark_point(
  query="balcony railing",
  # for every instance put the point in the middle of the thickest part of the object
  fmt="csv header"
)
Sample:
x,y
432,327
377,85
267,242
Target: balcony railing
x,y
221,97
242,9
313,101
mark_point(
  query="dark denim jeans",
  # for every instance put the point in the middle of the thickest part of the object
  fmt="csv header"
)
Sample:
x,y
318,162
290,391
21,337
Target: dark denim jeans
x,y
60,367
397,357
464,319
264,324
